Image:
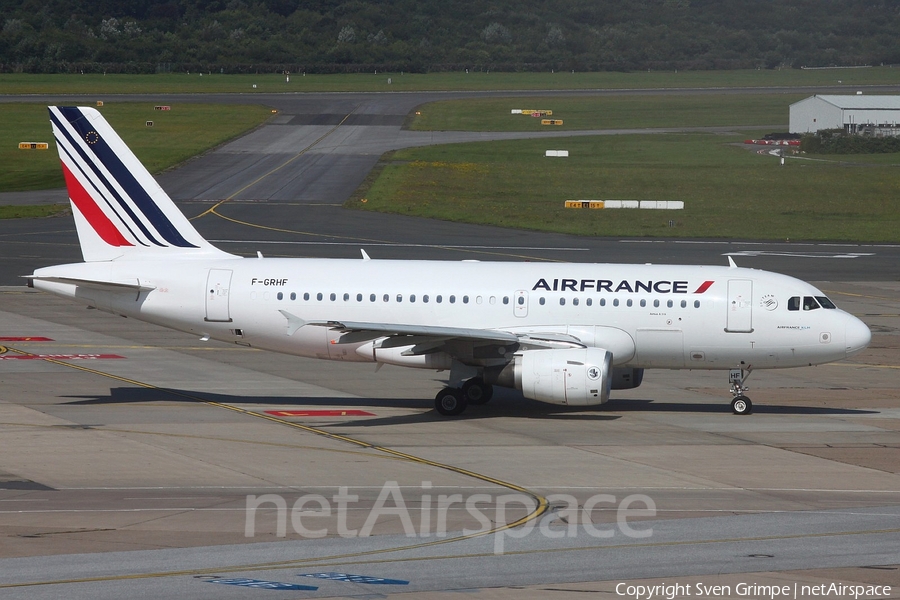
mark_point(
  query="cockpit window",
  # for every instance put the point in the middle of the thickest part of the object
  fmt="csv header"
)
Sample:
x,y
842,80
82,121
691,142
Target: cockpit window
x,y
825,302
809,303
794,303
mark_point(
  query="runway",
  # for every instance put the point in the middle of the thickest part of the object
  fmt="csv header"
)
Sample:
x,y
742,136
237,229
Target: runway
x,y
130,453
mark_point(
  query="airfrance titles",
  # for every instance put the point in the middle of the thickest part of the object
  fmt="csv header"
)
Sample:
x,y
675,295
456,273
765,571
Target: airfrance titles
x,y
608,285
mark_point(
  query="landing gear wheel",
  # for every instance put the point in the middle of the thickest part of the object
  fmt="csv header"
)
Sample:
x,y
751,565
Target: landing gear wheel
x,y
450,402
741,405
476,391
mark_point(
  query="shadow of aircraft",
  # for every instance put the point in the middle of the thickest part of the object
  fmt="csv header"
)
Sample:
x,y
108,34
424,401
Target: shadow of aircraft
x,y
505,404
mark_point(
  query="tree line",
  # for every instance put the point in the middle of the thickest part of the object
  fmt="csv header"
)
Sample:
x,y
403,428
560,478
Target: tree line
x,y
146,36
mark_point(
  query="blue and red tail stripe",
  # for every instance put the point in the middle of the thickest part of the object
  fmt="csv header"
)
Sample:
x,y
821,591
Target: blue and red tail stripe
x,y
89,209
90,146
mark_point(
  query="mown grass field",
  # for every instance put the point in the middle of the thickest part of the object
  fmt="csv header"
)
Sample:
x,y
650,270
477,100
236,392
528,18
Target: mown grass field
x,y
95,85
177,135
728,191
607,112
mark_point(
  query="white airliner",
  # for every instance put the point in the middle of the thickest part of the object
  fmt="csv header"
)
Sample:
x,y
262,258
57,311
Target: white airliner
x,y
562,333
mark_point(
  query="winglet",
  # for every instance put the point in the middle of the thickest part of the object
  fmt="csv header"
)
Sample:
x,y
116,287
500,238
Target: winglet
x,y
731,263
294,322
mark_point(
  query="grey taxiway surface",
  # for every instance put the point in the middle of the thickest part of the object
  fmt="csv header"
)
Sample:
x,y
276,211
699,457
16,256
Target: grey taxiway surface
x,y
130,476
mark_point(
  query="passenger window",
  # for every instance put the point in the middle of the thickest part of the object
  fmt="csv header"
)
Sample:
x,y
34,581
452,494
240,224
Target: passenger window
x,y
629,303
346,296
541,301
825,302
359,297
615,301
809,303
794,303
399,297
371,297
643,303
589,302
575,301
506,299
670,304
412,297
306,296
602,301
293,295
684,304
439,299
696,304
333,296
452,299
280,296
656,304
562,301
425,298
521,300
386,298
465,299
319,296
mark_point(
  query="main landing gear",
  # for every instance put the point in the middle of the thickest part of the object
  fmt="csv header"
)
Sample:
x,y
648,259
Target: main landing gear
x,y
741,404
452,401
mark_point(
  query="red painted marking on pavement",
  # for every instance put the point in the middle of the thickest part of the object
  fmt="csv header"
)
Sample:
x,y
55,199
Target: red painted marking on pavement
x,y
59,356
25,339
319,413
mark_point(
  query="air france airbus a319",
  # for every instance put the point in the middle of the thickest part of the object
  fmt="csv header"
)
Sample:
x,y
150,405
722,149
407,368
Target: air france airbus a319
x,y
560,333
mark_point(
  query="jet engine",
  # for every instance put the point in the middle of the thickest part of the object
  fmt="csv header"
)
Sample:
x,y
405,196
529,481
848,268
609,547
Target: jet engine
x,y
568,376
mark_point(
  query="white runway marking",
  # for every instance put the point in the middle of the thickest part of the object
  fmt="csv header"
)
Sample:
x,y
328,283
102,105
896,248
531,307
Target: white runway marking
x,y
799,254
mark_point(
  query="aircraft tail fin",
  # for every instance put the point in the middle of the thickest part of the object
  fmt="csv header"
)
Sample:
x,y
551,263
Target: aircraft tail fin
x,y
120,211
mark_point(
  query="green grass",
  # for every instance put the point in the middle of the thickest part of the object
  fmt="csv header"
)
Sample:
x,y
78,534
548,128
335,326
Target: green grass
x,y
607,112
34,212
177,135
97,85
728,191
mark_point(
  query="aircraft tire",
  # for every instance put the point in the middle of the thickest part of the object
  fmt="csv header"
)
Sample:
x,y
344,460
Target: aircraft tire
x,y
741,405
450,402
476,391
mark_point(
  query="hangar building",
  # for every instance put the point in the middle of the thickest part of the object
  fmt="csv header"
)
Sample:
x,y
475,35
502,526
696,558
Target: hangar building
x,y
877,115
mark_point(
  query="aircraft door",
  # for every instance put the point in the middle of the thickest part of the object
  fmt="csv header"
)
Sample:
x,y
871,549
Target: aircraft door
x,y
740,306
520,303
217,295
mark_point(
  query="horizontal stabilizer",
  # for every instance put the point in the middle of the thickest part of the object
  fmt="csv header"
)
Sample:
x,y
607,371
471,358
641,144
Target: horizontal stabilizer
x,y
110,286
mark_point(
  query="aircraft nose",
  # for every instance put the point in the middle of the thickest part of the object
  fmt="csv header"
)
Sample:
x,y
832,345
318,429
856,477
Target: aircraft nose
x,y
857,334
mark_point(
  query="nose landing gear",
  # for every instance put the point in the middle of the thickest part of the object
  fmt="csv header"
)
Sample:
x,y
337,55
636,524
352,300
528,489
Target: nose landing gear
x,y
741,404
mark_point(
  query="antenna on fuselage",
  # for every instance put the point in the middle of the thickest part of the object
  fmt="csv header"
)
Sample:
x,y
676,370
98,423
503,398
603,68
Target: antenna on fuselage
x,y
731,263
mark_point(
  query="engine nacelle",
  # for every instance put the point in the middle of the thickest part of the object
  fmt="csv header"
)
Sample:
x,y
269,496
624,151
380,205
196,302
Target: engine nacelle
x,y
403,356
570,376
626,379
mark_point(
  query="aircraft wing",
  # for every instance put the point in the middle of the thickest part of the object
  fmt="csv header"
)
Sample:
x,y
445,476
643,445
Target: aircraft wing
x,y
432,337
391,329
